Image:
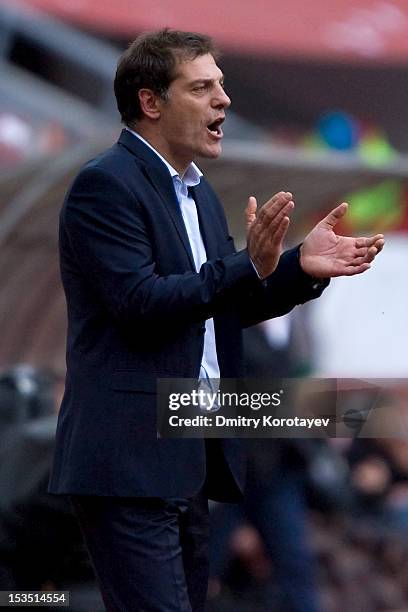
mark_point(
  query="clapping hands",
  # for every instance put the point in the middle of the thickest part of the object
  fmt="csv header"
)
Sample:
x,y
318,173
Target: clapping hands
x,y
323,254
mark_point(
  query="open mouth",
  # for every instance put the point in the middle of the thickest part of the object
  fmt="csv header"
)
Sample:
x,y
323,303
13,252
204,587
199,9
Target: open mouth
x,y
215,128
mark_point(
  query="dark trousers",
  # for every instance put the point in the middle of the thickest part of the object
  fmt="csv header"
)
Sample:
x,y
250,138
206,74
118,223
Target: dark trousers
x,y
149,554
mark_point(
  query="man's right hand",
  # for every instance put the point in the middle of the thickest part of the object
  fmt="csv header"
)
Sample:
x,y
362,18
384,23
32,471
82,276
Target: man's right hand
x,y
267,230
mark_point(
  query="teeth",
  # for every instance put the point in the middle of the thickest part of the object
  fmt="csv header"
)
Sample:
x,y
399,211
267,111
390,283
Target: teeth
x,y
215,130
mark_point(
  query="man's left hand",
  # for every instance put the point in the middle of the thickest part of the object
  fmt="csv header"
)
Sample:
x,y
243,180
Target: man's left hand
x,y
324,254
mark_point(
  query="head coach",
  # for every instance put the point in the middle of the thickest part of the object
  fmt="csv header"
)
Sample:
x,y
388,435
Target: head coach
x,y
155,288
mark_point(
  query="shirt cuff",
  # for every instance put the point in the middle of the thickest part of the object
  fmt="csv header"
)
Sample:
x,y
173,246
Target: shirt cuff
x,y
263,280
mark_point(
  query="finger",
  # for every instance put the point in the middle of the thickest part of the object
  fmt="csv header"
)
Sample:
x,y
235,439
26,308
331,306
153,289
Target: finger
x,y
361,252
366,252
281,230
352,270
334,216
269,227
274,206
278,236
379,245
370,241
267,223
250,212
371,253
368,256
277,197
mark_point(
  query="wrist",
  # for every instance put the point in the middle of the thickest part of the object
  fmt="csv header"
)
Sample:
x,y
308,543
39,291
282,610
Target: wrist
x,y
261,278
315,281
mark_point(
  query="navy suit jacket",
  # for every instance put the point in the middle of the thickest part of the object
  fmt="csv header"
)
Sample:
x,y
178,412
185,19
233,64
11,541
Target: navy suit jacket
x,y
136,312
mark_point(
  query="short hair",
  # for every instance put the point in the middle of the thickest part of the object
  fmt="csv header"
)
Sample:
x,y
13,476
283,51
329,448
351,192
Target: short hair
x,y
151,62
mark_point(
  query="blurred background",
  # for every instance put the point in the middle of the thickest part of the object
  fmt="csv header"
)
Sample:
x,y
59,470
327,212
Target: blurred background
x,y
319,107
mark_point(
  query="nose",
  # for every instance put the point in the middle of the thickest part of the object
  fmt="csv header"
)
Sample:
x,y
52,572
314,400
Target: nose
x,y
221,99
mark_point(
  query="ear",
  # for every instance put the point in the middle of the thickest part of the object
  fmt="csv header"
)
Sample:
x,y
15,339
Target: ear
x,y
149,103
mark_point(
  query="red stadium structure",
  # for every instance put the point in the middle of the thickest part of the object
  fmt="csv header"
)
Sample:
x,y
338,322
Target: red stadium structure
x,y
339,29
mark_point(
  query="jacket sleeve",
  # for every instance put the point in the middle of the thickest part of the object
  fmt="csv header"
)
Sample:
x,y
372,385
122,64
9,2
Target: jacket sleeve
x,y
287,287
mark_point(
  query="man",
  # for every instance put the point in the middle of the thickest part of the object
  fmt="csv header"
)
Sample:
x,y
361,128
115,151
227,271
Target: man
x,y
155,289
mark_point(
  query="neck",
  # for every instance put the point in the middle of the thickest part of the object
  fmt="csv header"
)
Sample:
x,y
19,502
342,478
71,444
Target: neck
x,y
155,139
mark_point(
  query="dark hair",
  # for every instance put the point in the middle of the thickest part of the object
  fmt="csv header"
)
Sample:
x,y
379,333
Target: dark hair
x,y
151,62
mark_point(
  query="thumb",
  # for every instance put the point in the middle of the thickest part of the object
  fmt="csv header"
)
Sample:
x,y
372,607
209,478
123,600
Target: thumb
x,y
334,216
250,213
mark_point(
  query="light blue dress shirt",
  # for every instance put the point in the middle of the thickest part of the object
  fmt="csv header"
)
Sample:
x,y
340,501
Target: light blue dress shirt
x,y
209,364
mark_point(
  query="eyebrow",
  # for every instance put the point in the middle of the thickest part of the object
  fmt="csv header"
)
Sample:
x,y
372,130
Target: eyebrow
x,y
206,80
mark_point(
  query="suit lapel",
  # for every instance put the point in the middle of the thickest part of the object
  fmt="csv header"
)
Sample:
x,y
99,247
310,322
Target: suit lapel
x,y
163,184
159,177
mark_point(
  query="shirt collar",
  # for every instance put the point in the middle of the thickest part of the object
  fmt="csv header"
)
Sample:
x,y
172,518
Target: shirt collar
x,y
191,176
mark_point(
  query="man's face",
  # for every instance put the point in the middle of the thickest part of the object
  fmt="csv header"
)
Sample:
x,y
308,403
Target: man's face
x,y
191,116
